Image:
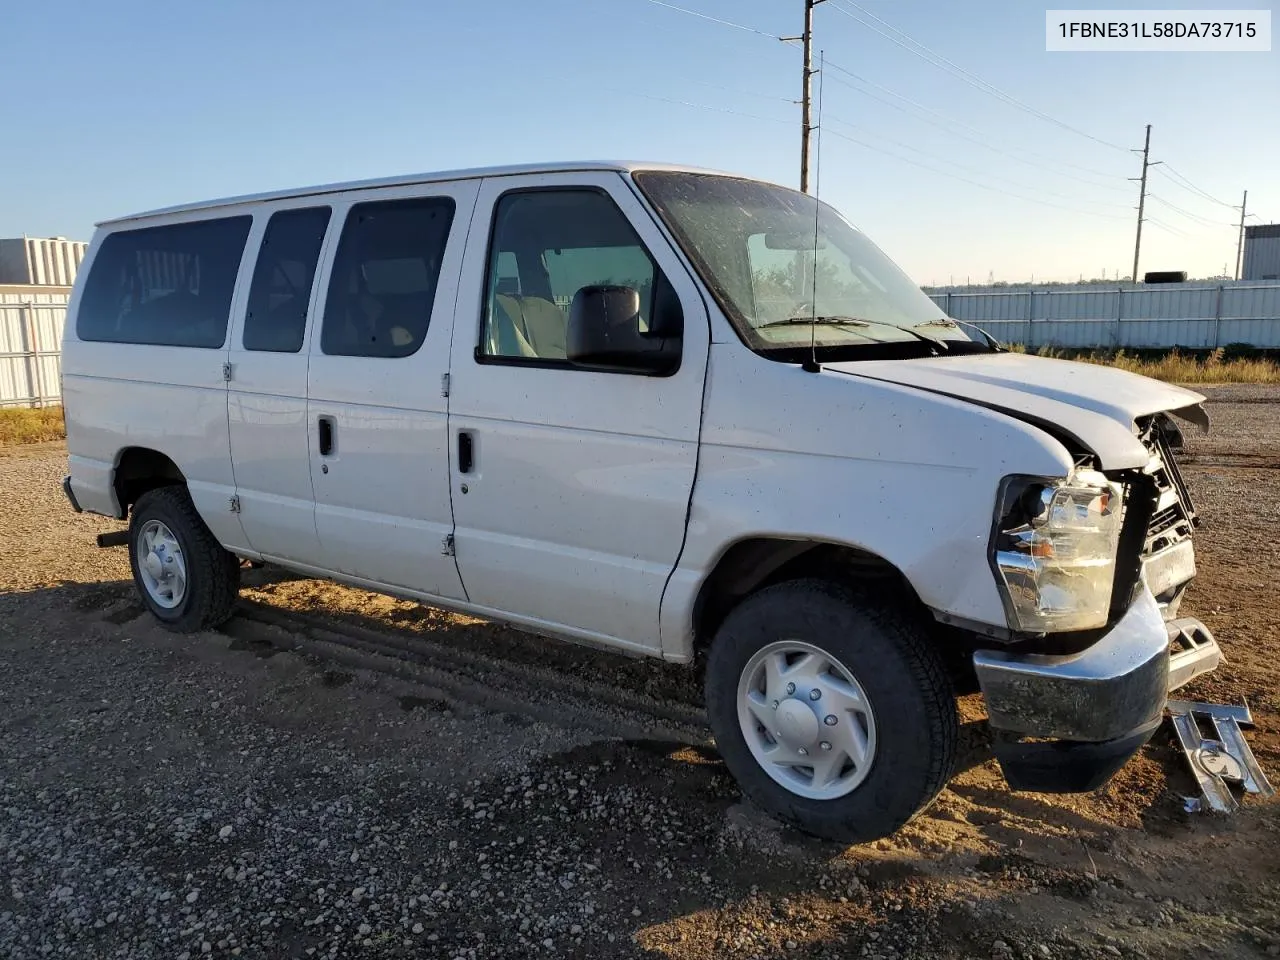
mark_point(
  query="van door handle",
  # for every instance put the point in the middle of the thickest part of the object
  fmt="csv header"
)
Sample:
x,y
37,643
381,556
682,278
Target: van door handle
x,y
466,451
326,429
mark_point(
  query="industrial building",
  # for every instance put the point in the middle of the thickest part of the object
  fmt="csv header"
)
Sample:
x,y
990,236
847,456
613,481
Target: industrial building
x,y
40,261
1262,252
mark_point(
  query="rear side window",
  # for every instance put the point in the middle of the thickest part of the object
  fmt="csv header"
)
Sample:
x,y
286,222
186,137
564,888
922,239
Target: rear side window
x,y
168,286
276,317
384,277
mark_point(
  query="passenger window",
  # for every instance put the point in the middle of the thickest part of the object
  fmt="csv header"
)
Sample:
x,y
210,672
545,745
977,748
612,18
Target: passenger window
x,y
167,286
276,317
547,245
384,277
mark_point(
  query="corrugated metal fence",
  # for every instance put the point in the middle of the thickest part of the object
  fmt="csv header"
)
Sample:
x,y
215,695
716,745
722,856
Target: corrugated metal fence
x,y
1192,315
30,345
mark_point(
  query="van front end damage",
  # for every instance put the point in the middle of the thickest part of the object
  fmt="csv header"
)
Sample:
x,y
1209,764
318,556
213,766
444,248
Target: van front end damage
x,y
1065,722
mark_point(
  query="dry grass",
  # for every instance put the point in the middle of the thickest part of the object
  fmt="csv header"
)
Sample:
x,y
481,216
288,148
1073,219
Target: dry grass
x,y
22,425
1175,367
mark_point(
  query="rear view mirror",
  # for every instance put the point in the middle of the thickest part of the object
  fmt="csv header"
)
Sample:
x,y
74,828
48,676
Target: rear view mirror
x,y
604,332
798,240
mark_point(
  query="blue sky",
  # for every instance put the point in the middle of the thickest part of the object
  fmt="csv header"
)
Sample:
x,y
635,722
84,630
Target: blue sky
x,y
114,108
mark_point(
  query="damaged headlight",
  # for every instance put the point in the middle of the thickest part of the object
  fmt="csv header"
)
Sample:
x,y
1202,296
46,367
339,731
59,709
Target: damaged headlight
x,y
1054,550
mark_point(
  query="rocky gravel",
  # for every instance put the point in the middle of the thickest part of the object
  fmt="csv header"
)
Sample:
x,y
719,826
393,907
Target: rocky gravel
x,y
263,791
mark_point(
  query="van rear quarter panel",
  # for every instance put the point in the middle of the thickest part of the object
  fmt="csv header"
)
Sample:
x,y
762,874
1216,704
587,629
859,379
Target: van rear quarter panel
x,y
169,399
909,476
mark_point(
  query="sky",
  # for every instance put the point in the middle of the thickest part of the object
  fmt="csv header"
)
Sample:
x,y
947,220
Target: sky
x,y
1011,166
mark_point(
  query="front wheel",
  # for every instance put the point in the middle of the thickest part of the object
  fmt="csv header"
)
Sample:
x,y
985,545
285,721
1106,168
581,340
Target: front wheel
x,y
832,712
184,576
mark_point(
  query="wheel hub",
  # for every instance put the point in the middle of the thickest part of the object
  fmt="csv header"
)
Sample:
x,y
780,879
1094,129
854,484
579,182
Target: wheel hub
x,y
806,719
162,569
797,724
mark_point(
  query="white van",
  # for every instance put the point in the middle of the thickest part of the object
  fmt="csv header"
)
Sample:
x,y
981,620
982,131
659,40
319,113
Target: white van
x,y
671,412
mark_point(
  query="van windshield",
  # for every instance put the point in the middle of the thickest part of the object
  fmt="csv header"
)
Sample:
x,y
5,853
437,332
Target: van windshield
x,y
776,259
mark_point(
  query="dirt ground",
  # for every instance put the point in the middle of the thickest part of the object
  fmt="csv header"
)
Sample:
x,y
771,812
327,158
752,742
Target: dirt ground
x,y
341,774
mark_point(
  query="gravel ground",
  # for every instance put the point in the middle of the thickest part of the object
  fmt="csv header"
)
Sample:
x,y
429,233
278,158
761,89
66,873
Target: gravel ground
x,y
295,786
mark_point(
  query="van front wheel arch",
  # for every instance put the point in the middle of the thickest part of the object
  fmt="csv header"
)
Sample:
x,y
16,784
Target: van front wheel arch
x,y
831,709
183,575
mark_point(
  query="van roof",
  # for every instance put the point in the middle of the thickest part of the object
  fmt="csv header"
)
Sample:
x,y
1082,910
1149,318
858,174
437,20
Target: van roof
x,y
410,180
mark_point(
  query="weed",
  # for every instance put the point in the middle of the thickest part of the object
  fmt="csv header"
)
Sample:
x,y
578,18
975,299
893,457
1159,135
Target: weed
x,y
23,425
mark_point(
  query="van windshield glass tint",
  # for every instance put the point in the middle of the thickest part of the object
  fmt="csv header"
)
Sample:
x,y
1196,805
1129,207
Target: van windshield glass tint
x,y
768,259
168,286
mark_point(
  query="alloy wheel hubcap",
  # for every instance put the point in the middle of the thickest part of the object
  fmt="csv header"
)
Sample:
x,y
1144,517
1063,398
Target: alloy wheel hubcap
x,y
806,720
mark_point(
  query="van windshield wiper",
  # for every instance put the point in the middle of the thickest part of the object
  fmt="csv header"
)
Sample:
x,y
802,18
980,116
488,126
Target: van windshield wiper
x,y
992,343
854,322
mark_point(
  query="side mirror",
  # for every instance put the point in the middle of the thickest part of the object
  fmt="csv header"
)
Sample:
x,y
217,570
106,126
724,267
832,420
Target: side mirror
x,y
604,331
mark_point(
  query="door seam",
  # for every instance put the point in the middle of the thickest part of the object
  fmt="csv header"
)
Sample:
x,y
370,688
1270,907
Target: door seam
x,y
448,399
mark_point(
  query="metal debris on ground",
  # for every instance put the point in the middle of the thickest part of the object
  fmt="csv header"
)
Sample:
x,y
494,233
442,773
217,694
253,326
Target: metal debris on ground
x,y
1218,763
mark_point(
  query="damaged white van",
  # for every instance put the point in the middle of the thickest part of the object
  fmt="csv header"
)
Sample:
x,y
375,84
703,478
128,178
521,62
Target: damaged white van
x,y
666,411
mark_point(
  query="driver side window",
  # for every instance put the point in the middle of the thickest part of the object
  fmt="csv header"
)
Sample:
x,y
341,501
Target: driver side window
x,y
546,246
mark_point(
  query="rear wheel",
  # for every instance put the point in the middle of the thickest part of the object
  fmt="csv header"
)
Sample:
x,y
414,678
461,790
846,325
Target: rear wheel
x,y
832,711
183,575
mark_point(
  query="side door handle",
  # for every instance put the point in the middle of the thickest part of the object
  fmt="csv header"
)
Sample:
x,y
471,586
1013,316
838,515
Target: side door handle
x,y
326,428
466,451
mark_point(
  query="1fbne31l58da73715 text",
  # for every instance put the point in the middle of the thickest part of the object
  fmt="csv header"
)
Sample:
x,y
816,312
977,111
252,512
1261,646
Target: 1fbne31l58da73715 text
x,y
1134,31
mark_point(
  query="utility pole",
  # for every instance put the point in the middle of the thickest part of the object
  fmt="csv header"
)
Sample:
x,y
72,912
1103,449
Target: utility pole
x,y
1142,199
806,93
1244,204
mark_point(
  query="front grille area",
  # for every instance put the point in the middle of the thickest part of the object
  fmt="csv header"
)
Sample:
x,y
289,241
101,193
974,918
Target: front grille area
x,y
1173,517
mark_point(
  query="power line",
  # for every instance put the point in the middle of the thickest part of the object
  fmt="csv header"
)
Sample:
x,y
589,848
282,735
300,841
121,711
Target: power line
x,y
1188,185
975,183
977,140
1166,228
947,124
967,169
916,48
808,128
1189,215
977,137
704,16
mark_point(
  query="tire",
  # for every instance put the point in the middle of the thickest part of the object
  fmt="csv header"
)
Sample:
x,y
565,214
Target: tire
x,y
167,518
913,727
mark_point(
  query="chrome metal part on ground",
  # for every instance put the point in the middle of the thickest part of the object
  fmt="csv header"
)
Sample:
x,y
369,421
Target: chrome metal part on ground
x,y
1217,763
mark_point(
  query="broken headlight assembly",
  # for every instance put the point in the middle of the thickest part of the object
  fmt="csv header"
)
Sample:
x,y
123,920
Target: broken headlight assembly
x,y
1054,550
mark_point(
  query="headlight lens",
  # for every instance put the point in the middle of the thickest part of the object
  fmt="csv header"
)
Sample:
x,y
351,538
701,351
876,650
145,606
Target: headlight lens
x,y
1055,550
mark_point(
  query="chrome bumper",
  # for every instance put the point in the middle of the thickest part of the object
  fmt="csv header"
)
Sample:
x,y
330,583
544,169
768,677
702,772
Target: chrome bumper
x,y
1105,692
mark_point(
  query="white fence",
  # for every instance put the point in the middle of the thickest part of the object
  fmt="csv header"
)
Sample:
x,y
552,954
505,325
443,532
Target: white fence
x,y
30,345
1190,315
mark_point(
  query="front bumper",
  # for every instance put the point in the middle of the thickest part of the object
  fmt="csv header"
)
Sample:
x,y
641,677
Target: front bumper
x,y
1103,702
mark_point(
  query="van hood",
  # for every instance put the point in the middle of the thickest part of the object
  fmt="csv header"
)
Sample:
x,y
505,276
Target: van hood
x,y
1092,404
